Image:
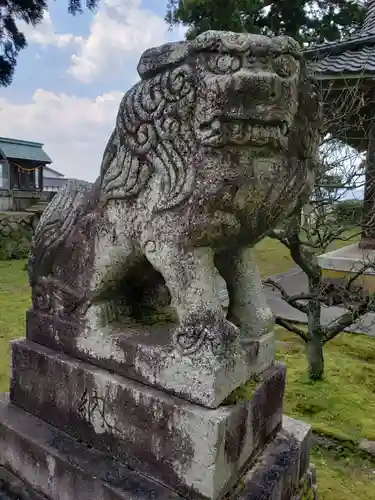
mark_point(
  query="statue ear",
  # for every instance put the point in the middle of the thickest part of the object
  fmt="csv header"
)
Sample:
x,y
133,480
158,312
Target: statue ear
x,y
157,59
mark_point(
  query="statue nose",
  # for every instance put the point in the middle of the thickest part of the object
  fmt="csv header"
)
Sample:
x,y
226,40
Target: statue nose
x,y
249,89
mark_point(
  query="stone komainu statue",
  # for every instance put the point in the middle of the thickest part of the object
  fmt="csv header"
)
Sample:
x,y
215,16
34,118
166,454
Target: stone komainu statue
x,y
211,149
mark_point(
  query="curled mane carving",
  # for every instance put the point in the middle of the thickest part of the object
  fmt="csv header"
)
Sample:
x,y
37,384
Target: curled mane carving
x,y
154,133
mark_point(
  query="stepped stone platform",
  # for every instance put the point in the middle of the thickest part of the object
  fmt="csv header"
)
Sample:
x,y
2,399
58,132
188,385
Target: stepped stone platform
x,y
75,427
188,447
53,462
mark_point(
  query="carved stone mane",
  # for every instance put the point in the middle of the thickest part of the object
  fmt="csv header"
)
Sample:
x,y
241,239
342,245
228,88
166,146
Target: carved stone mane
x,y
154,130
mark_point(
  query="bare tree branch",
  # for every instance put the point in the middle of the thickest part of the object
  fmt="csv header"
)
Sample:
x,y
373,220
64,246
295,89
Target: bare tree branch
x,y
335,327
291,328
292,300
326,220
359,273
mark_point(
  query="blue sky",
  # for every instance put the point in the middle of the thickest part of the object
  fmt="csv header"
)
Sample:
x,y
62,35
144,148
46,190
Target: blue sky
x,y
71,77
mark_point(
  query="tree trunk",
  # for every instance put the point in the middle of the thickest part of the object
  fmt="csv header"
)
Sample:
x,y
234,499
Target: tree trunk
x,y
368,226
315,359
314,344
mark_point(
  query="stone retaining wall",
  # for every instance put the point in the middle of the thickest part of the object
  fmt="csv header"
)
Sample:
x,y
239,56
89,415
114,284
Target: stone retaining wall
x,y
16,231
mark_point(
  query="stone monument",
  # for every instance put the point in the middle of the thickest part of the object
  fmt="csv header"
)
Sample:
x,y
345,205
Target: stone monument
x,y
133,381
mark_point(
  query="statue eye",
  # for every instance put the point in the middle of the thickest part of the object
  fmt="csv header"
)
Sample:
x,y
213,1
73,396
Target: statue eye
x,y
224,64
285,65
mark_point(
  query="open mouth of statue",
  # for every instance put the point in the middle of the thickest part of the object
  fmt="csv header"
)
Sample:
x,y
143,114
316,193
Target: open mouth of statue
x,y
219,132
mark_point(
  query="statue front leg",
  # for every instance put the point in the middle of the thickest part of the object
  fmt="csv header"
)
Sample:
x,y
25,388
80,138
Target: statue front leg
x,y
191,278
248,308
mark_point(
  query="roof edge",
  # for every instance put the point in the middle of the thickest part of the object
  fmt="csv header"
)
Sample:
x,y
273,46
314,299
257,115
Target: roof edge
x,y
340,46
56,172
21,141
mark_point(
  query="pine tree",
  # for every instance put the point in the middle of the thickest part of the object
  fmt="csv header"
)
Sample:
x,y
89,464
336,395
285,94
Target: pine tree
x,y
307,21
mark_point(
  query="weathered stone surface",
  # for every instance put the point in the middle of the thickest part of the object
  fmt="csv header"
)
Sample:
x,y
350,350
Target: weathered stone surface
x,y
60,467
302,434
281,467
16,231
367,445
186,446
147,354
14,488
212,148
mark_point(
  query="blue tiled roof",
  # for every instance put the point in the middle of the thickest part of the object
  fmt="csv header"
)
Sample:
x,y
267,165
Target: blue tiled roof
x,y
369,24
355,54
351,61
23,150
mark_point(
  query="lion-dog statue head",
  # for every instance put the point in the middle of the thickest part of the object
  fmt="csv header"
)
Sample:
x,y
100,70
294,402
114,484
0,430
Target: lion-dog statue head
x,y
227,118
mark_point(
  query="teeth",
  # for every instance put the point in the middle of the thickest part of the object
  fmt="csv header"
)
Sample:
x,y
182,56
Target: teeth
x,y
238,129
216,125
284,128
239,132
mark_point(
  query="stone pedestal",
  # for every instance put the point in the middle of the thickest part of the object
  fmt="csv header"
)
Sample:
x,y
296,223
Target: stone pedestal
x,y
346,262
148,355
41,462
75,427
188,447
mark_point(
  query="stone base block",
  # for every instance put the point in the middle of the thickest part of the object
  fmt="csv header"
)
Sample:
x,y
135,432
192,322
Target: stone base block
x,y
146,354
308,489
14,488
346,262
56,465
185,446
282,469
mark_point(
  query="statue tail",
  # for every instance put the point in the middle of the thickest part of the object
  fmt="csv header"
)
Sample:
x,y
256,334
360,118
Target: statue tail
x,y
56,223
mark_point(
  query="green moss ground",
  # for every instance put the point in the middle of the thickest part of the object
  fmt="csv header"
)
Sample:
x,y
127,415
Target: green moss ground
x,y
341,406
14,301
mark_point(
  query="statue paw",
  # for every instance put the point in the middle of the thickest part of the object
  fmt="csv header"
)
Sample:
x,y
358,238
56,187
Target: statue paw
x,y
197,331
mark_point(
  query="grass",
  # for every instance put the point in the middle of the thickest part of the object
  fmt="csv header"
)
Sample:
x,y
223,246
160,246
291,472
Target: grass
x,y
273,257
341,406
343,476
14,301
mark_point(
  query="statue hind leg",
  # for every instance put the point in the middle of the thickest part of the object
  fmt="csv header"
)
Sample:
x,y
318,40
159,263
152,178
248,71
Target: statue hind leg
x,y
248,308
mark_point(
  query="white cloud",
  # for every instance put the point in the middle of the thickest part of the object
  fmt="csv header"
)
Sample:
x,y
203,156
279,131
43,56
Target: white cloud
x,y
121,30
45,34
74,130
